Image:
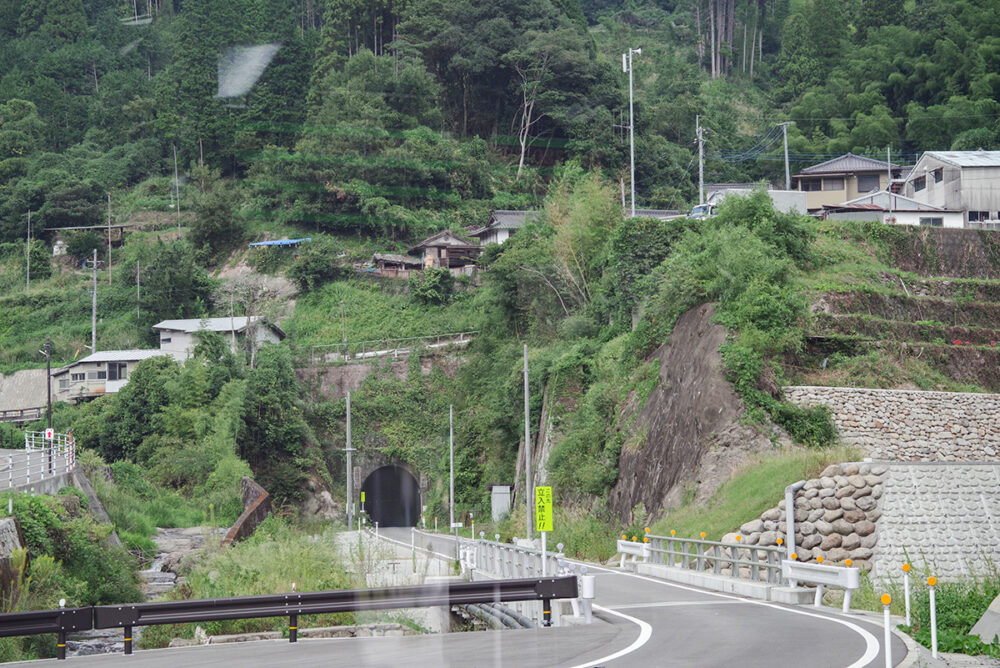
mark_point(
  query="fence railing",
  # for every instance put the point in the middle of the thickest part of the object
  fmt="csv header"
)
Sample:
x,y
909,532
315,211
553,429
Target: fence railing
x,y
747,562
21,414
42,458
291,605
366,351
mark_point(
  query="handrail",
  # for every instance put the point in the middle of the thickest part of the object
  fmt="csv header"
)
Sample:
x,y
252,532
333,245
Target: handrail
x,y
291,605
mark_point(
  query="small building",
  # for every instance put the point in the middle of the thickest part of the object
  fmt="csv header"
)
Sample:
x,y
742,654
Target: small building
x,y
446,249
104,372
180,336
966,181
885,207
503,224
394,265
843,179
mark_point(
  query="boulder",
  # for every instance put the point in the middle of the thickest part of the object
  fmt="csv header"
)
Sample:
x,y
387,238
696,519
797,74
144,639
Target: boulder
x,y
801,501
825,492
844,492
856,481
851,541
768,538
874,515
855,515
815,514
850,469
837,555
772,515
831,471
832,515
809,542
847,503
876,491
816,503
804,554
842,527
827,483
752,538
811,484
801,515
869,541
806,528
831,541
879,469
752,526
865,528
861,553
841,480
873,480
865,469
811,493
830,503
866,503
823,528
770,526
864,491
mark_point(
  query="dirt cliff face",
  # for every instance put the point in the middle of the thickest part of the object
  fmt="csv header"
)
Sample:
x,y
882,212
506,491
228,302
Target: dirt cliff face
x,y
694,440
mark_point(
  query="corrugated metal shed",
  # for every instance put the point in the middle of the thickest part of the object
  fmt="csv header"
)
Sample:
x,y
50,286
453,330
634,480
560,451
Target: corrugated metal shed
x,y
967,158
280,242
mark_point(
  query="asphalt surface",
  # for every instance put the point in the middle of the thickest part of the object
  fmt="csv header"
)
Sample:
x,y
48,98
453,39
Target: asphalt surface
x,y
639,621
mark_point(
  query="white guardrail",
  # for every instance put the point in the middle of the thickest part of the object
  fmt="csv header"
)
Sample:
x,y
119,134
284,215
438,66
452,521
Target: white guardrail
x,y
46,454
847,577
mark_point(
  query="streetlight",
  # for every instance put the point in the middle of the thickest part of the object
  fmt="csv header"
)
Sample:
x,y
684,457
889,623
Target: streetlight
x,y
627,67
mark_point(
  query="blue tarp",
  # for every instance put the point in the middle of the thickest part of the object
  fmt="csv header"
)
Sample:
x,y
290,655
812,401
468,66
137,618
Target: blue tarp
x,y
280,242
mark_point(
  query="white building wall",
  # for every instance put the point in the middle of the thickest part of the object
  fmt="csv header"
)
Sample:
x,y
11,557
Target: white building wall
x,y
177,341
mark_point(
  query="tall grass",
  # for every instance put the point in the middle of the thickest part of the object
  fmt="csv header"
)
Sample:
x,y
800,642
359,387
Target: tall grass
x,y
758,487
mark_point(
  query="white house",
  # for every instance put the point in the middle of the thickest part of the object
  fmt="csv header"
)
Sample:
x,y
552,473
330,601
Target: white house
x,y
502,225
104,372
967,181
885,207
180,336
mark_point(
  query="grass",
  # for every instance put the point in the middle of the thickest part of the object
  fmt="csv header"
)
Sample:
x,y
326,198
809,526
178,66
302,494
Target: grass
x,y
374,309
758,487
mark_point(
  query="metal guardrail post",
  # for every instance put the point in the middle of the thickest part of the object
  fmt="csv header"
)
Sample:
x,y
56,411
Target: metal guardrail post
x,y
128,639
293,628
716,560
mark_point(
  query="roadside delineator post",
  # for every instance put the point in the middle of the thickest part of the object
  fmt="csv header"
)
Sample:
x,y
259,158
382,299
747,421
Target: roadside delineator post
x,y
906,591
847,592
931,582
887,642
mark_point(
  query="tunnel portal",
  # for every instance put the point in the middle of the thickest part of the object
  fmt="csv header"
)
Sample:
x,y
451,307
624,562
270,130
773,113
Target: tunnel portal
x,y
392,497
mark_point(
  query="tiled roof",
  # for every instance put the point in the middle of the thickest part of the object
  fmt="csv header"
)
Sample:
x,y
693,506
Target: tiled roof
x,y
445,238
504,219
967,158
847,164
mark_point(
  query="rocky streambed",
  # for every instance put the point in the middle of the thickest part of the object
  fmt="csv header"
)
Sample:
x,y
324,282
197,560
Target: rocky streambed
x,y
174,546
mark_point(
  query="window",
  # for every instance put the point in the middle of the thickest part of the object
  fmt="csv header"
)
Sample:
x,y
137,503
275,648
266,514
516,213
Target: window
x,y
932,222
938,175
64,383
97,375
78,377
834,183
165,339
919,184
979,215
117,370
810,185
868,182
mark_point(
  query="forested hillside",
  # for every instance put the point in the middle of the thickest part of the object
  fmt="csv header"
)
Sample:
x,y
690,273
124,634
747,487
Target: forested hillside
x,y
367,126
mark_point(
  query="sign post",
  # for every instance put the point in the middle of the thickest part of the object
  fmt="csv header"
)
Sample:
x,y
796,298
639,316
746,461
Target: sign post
x,y
543,517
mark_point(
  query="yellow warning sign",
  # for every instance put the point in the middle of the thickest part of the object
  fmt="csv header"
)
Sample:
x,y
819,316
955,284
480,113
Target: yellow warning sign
x,y
362,497
543,509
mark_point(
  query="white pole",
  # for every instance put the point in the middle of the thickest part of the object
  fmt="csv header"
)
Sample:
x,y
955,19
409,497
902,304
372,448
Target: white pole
x,y
527,449
887,623
177,191
27,257
888,192
350,468
906,591
109,238
631,126
544,553
933,581
788,177
93,309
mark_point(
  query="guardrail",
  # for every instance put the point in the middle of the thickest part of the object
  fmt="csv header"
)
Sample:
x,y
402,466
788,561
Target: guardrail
x,y
846,577
291,605
43,458
21,414
753,562
365,351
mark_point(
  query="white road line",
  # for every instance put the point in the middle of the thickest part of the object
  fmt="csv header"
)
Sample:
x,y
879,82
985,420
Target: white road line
x,y
645,633
669,604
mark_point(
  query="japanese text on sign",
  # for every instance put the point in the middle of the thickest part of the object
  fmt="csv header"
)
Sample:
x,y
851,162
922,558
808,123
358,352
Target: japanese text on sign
x,y
543,509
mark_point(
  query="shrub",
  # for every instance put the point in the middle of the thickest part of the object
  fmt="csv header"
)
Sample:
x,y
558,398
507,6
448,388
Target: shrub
x,y
318,263
433,285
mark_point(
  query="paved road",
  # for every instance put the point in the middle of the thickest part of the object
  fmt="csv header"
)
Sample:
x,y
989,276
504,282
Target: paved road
x,y
640,621
687,626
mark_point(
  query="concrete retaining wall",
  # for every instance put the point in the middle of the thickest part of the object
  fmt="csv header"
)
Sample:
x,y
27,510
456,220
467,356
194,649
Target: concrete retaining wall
x,y
911,425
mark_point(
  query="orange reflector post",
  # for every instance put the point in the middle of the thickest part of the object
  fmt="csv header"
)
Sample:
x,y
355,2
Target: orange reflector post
x,y
886,599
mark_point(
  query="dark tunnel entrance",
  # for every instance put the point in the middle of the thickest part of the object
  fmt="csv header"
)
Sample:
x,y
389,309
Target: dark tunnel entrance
x,y
392,497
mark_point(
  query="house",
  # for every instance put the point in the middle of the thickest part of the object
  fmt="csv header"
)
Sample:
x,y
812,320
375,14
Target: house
x,y
446,249
503,224
394,265
180,336
103,372
843,179
966,181
887,207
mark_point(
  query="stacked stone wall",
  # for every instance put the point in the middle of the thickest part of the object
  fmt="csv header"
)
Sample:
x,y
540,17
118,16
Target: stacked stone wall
x,y
911,425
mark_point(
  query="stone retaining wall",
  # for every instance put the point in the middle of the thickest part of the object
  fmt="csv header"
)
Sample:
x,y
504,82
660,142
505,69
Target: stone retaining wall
x,y
911,425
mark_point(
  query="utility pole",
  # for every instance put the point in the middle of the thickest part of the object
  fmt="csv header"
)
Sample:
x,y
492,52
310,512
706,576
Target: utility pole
x,y
27,257
527,449
701,159
137,316
109,238
350,468
784,133
177,191
627,67
451,470
93,306
48,380
343,325
888,169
